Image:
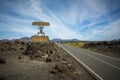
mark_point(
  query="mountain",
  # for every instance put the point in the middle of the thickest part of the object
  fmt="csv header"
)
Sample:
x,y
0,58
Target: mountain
x,y
56,40
115,40
73,40
64,40
26,39
5,40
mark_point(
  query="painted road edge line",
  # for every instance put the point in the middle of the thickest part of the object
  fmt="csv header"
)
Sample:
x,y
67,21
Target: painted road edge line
x,y
88,69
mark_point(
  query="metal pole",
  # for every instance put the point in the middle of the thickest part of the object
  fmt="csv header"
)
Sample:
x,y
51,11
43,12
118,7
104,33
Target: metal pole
x,y
41,30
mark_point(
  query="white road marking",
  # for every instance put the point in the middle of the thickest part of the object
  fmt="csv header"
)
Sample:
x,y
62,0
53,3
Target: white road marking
x,y
90,70
100,59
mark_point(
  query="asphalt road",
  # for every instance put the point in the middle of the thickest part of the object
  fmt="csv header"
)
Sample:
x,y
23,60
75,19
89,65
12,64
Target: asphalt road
x,y
103,67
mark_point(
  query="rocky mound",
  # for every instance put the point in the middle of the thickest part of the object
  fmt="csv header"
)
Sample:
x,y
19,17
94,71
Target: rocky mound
x,y
41,51
38,61
15,45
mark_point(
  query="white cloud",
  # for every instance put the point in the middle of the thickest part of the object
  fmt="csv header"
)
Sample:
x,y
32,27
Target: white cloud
x,y
74,15
110,31
57,28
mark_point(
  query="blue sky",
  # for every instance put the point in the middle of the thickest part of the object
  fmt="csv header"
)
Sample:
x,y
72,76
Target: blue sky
x,y
80,19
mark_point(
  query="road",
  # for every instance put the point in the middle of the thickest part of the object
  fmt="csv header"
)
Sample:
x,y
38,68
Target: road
x,y
102,67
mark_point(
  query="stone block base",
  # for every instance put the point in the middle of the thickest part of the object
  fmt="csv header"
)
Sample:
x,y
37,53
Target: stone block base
x,y
39,39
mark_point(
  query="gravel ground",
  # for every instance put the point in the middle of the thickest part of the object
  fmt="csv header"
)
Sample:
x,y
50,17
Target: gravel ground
x,y
39,61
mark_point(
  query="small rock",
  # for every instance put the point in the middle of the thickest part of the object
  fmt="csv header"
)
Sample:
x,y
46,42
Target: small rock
x,y
53,72
48,60
63,62
2,60
57,67
51,51
77,72
19,57
2,77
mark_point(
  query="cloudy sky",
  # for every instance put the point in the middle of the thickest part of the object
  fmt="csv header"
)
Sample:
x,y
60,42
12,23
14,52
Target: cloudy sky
x,y
78,19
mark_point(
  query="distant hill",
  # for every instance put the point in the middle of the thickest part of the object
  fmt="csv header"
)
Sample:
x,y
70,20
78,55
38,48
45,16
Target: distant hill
x,y
116,40
26,39
56,40
73,40
64,40
5,40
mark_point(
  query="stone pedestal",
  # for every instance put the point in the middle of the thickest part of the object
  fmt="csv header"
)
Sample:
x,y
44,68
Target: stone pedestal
x,y
39,39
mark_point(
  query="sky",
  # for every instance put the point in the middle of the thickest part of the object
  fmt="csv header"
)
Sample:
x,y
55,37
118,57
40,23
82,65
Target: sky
x,y
69,19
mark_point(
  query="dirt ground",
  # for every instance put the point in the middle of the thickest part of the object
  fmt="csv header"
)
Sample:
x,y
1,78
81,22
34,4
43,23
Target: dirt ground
x,y
38,61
